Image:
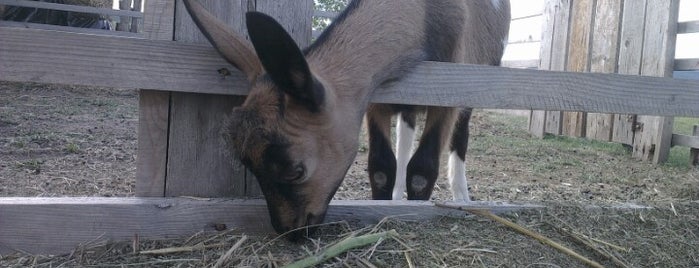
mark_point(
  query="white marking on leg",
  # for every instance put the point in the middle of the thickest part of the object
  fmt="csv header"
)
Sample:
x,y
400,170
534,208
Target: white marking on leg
x,y
418,183
405,135
380,180
457,177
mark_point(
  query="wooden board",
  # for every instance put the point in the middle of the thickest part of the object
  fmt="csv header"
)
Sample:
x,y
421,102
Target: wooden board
x,y
154,111
688,27
171,66
574,123
537,118
29,25
58,225
694,152
197,163
686,65
604,59
71,8
653,141
558,61
159,19
630,52
454,85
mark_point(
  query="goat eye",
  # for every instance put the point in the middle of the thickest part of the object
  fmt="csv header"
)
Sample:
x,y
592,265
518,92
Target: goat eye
x,y
296,174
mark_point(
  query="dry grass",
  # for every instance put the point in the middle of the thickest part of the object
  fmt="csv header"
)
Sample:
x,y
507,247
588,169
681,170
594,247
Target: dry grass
x,y
658,236
58,140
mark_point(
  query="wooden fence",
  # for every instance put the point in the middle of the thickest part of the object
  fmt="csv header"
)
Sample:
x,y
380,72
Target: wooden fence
x,y
129,19
611,36
183,99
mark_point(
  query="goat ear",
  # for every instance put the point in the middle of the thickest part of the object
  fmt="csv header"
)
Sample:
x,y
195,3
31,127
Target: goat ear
x,y
283,60
231,45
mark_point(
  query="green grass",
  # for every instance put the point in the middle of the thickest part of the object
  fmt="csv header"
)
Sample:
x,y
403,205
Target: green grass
x,y
679,156
72,148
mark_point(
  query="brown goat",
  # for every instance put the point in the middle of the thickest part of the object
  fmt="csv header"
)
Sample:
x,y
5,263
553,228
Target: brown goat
x,y
297,131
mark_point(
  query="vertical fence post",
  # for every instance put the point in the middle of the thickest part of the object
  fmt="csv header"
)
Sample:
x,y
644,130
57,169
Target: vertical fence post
x,y
694,152
154,109
554,48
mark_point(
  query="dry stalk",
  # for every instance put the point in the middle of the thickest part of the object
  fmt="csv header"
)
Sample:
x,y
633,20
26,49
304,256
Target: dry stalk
x,y
230,251
589,244
171,250
525,231
342,246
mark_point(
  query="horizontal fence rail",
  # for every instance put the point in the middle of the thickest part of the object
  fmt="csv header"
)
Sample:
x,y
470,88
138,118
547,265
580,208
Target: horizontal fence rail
x,y
29,55
72,8
686,27
29,25
58,225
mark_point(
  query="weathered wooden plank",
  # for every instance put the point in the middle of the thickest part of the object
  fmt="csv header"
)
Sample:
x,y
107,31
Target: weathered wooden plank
x,y
604,59
153,110
58,225
537,118
159,19
171,66
630,52
71,8
30,55
456,85
29,25
686,65
686,140
524,64
559,52
694,152
660,31
197,162
574,123
688,27
325,14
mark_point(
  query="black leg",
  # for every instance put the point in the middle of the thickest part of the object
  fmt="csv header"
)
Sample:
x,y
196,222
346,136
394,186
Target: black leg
x,y
382,161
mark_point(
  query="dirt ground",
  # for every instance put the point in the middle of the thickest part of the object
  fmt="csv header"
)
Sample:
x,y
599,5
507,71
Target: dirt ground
x,y
73,141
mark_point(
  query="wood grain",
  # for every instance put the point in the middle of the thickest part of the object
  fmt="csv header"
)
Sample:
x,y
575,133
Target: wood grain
x,y
441,84
29,25
537,118
630,52
58,225
197,163
29,55
688,27
604,59
694,152
159,19
153,111
582,16
71,8
558,61
686,65
653,142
